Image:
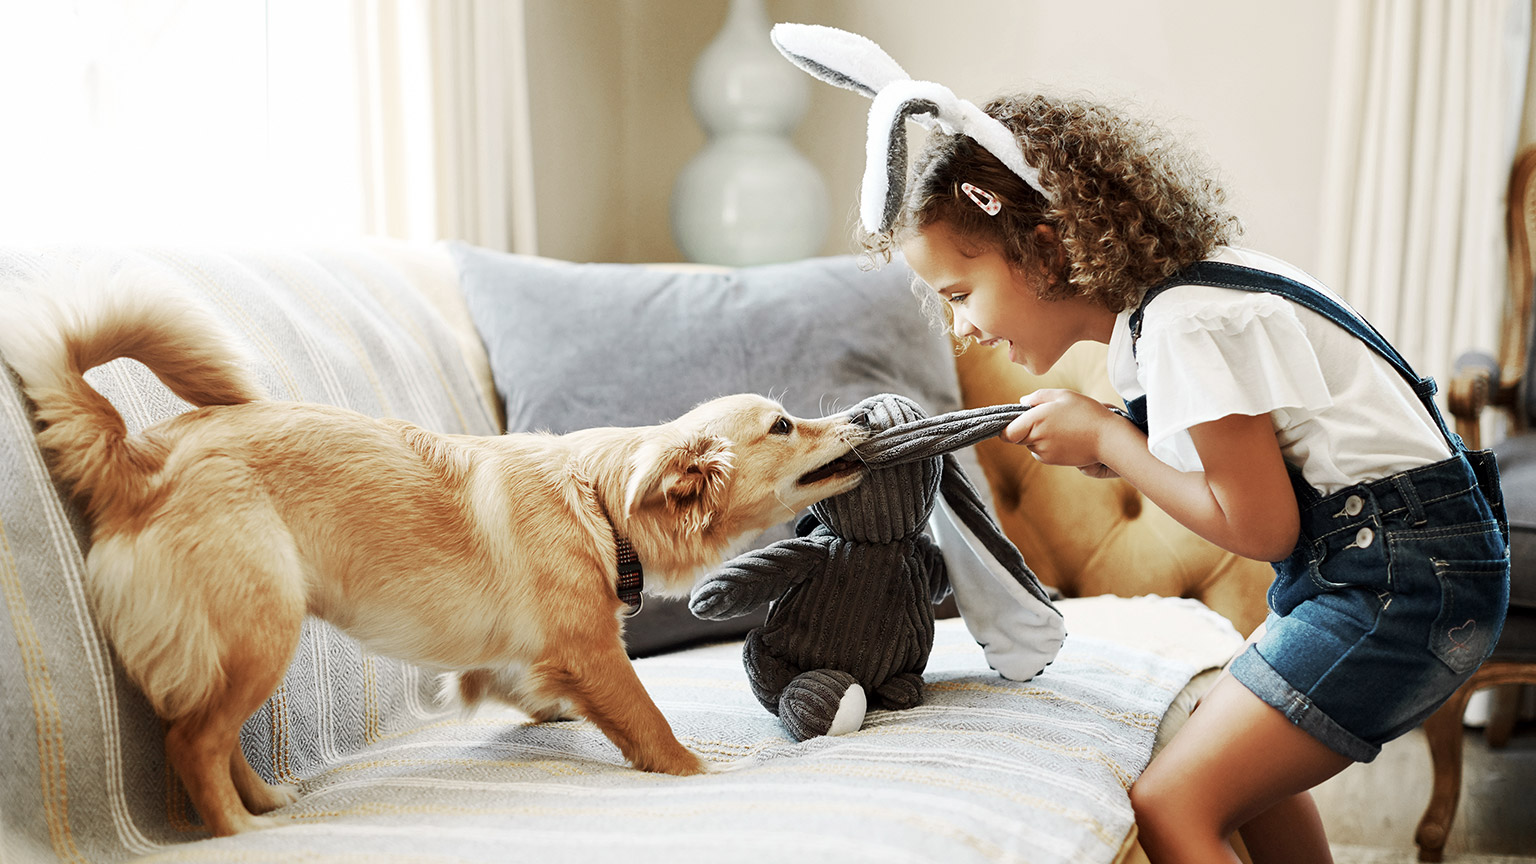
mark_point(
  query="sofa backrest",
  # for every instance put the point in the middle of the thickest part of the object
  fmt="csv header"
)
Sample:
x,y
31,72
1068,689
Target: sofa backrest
x,y
375,327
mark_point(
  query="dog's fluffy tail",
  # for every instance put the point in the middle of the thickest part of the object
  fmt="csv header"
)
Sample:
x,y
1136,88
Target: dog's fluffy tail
x,y
55,332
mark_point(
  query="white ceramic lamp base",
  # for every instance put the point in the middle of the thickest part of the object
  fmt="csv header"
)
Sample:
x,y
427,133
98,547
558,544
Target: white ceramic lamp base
x,y
749,197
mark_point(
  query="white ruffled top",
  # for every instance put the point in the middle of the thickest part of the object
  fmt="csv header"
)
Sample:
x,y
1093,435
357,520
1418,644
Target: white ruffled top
x,y
1341,413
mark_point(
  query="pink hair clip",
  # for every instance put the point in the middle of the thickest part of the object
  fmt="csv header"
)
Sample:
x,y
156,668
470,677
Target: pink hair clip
x,y
989,203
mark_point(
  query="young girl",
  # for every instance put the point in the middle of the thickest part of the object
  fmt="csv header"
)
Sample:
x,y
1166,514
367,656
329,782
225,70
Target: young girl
x,y
1263,414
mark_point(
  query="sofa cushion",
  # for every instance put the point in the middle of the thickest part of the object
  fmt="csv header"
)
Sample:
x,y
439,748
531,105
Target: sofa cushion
x,y
580,345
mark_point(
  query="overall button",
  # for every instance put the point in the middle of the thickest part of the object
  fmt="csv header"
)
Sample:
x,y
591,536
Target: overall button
x,y
1352,507
1363,537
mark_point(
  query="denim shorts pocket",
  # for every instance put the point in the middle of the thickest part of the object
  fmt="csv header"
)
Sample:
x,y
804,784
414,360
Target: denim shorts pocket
x,y
1473,599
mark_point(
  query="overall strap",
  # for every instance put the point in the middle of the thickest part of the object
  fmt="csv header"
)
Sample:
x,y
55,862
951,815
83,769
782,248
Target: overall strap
x,y
1222,275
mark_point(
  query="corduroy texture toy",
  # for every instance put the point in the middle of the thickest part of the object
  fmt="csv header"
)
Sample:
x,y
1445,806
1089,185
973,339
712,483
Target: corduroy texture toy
x,y
851,623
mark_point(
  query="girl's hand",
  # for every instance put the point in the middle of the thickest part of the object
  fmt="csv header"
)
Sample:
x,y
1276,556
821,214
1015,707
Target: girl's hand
x,y
1063,427
1098,471
1242,501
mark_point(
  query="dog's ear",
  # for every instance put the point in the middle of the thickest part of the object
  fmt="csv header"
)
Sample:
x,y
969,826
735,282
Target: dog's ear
x,y
688,476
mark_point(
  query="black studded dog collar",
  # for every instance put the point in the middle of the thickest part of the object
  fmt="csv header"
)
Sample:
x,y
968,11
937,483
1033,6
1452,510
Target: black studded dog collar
x,y
631,575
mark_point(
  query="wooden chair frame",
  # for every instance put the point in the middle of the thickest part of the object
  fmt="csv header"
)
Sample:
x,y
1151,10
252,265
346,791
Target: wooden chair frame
x,y
1474,388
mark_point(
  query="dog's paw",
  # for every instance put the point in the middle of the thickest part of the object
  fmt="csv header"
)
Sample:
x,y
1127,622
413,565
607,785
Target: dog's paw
x,y
678,761
267,797
283,794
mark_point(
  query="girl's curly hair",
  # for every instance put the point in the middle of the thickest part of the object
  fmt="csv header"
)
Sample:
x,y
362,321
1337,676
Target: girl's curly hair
x,y
1132,207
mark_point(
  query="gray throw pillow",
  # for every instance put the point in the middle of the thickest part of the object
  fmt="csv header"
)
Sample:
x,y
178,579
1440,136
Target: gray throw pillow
x,y
579,345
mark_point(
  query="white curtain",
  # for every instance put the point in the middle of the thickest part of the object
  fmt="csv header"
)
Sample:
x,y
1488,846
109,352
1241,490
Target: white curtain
x,y
166,120
446,146
1422,132
156,120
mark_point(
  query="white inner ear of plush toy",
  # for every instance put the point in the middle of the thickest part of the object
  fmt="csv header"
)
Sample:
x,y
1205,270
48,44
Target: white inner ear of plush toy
x,y
1016,630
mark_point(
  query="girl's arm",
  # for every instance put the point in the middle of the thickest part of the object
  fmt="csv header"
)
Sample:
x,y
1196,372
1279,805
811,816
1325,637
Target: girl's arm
x,y
1242,501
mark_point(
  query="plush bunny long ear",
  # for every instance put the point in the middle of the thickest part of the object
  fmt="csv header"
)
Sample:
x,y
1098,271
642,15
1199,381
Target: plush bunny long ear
x,y
1005,607
852,61
927,437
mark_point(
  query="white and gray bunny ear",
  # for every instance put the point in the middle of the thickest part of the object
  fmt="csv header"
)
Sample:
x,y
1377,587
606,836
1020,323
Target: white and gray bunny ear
x,y
852,61
838,57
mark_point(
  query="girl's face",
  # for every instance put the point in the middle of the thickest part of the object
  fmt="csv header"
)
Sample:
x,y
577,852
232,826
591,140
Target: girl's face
x,y
997,303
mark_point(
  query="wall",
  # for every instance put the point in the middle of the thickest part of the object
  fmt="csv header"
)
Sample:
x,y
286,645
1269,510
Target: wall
x,y
1247,83
611,121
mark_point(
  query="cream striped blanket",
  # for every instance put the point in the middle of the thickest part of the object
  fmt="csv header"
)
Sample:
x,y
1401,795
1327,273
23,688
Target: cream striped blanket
x,y
987,770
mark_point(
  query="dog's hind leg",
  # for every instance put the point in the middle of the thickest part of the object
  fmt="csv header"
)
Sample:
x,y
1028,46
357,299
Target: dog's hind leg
x,y
258,795
203,746
257,637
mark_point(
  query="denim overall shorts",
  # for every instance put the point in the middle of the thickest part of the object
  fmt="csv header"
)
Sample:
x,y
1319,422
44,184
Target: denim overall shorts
x,y
1397,588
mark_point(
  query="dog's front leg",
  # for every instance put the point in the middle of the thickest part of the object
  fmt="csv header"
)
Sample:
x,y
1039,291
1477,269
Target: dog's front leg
x,y
603,686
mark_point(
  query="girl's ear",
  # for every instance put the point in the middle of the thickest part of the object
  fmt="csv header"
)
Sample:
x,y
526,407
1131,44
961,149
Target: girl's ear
x,y
1047,238
689,477
1054,259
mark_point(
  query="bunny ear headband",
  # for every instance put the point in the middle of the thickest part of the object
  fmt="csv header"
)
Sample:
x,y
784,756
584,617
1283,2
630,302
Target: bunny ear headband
x,y
852,61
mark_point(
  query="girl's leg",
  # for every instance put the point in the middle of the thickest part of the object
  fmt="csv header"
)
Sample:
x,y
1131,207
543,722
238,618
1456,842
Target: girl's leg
x,y
1236,763
1291,830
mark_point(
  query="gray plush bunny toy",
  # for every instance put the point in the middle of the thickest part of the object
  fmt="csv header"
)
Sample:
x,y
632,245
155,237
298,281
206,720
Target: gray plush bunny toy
x,y
851,622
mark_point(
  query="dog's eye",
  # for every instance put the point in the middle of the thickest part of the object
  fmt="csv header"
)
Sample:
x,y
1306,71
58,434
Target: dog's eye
x,y
782,426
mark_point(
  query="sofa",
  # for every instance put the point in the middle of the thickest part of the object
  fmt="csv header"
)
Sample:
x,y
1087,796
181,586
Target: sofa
x,y
465,340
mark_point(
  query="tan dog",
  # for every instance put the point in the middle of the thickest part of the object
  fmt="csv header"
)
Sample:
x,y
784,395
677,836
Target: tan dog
x,y
216,531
